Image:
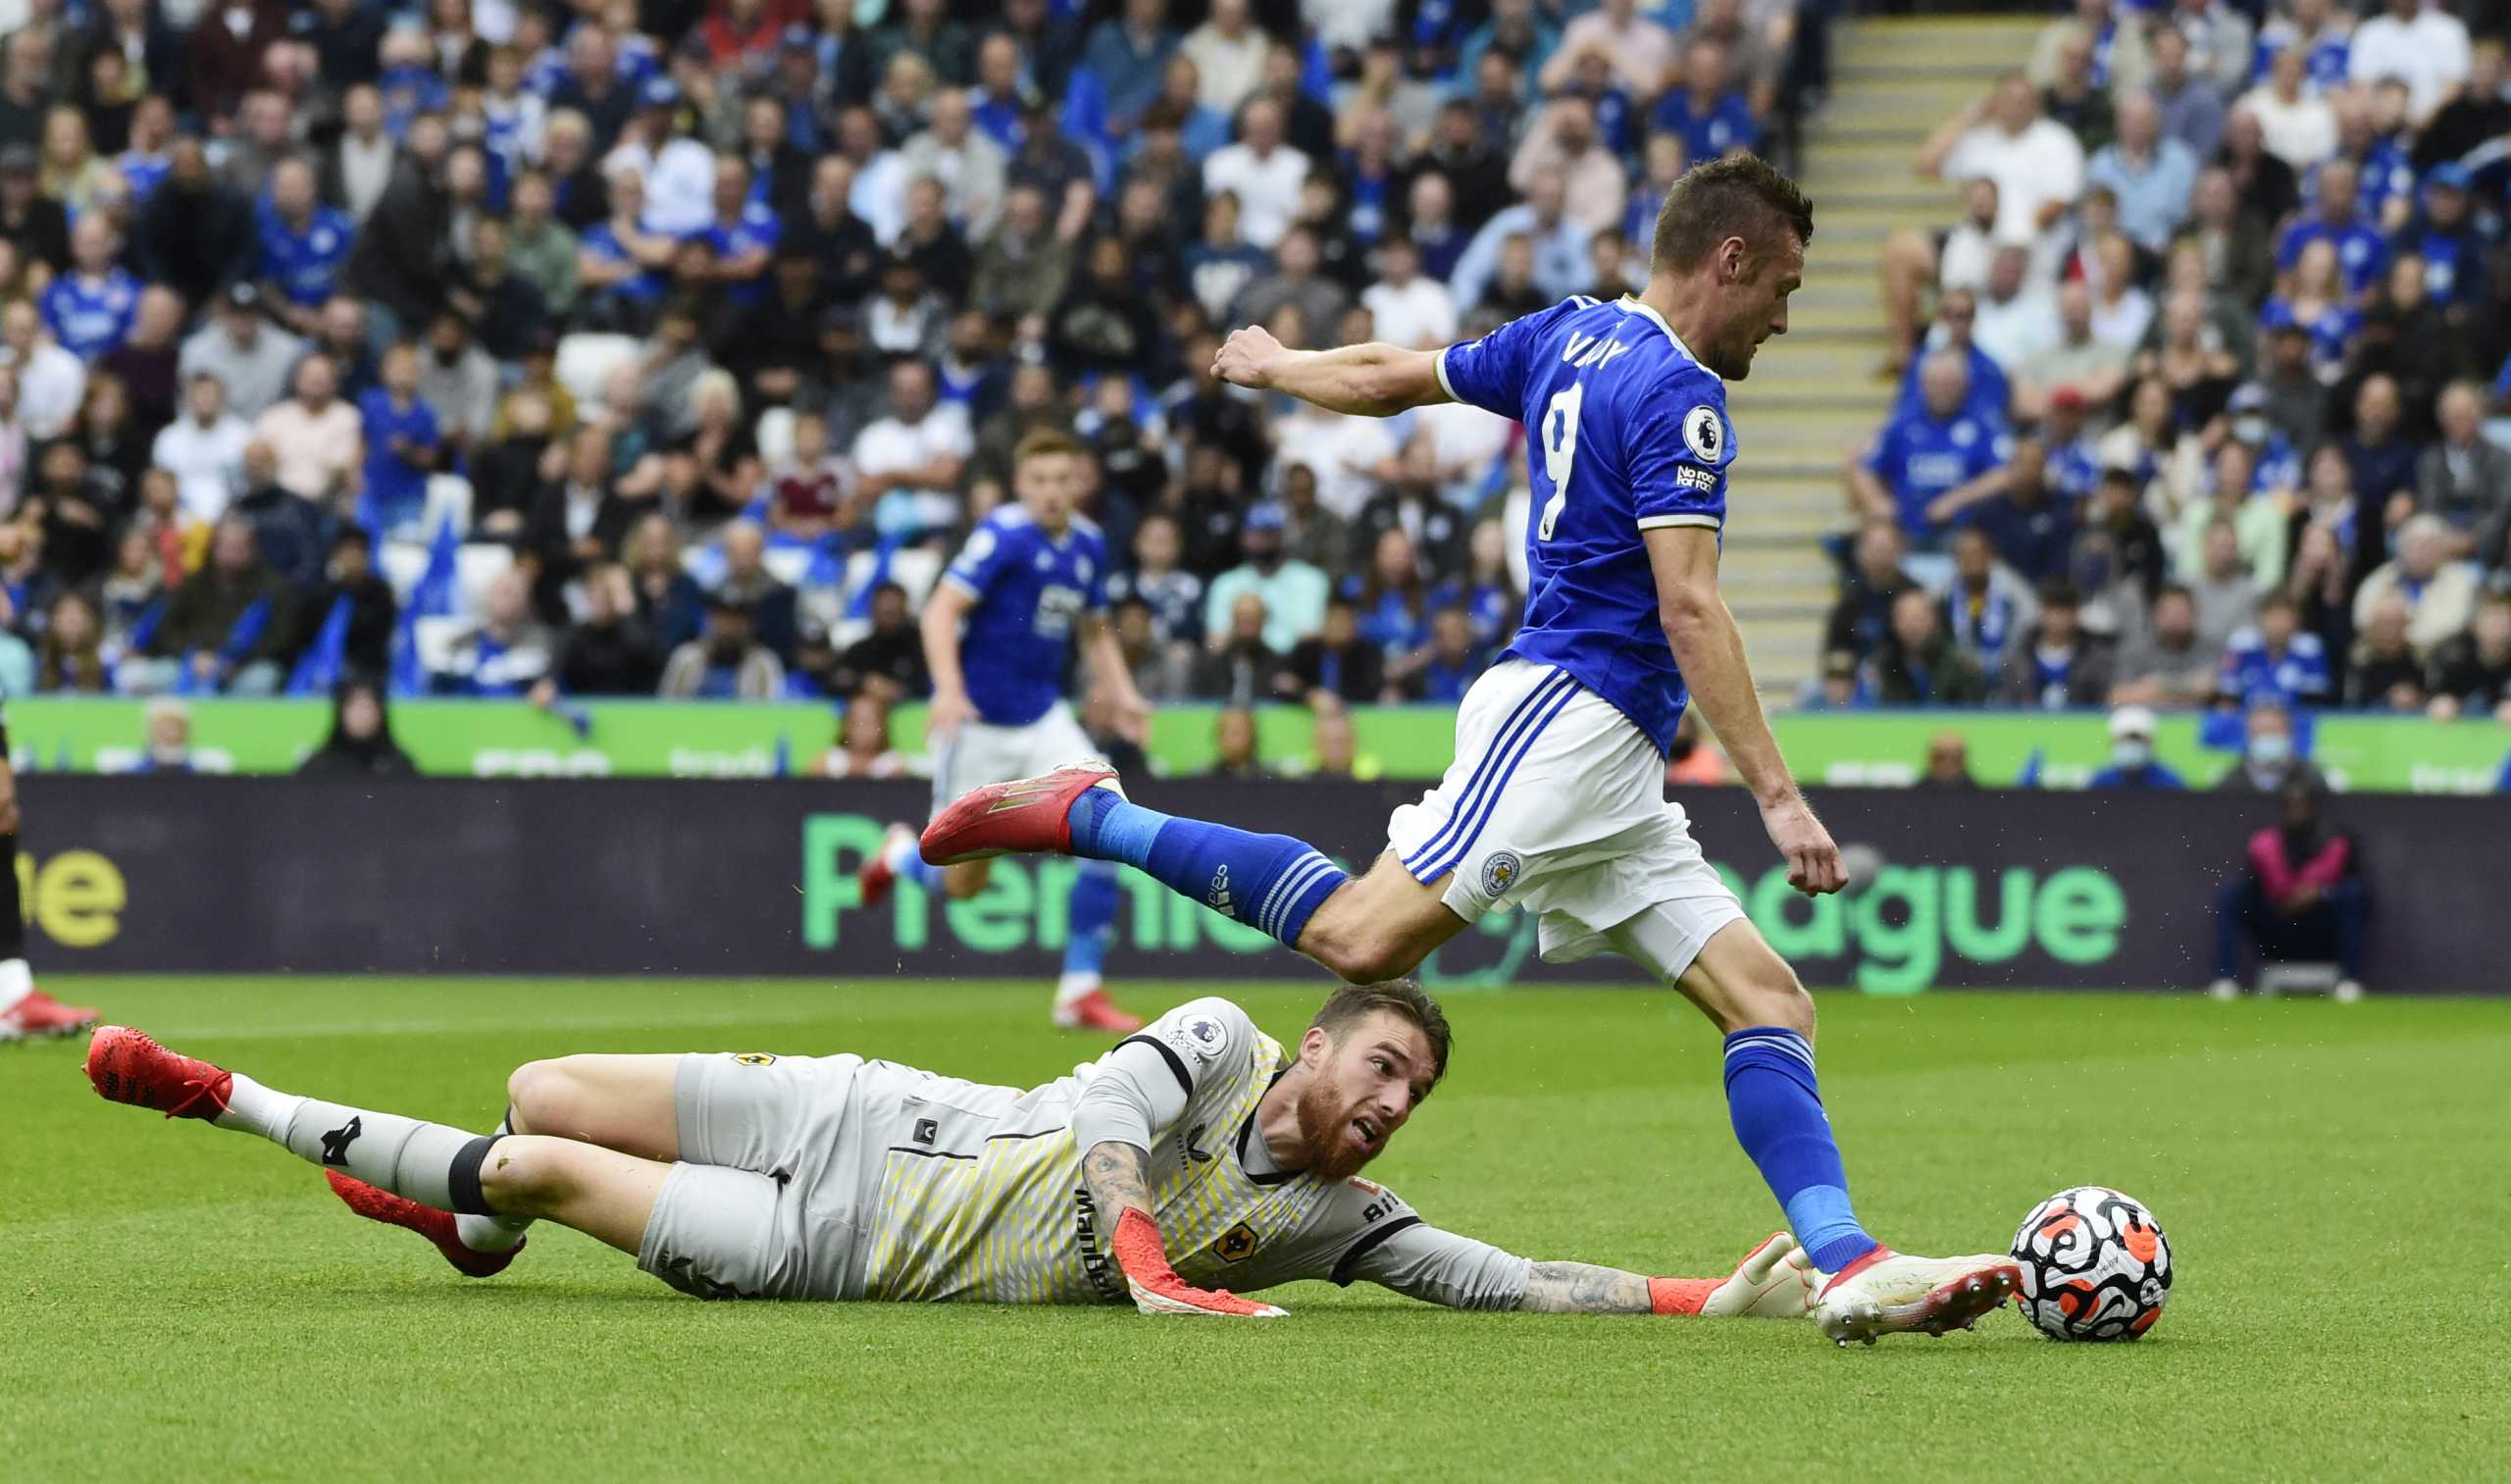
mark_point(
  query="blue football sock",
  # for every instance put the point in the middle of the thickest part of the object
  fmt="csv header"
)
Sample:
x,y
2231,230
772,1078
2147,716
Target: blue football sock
x,y
1777,1111
1090,918
1271,882
924,874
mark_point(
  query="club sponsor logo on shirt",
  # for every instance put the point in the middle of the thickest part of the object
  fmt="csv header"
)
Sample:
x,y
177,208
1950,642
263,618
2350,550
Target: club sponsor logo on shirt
x,y
754,1059
1236,1245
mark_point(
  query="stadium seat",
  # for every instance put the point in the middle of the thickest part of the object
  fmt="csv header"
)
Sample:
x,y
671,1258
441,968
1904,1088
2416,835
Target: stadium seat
x,y
585,360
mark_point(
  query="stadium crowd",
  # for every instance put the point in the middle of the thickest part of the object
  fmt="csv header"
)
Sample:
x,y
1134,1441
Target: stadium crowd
x,y
2205,398
518,348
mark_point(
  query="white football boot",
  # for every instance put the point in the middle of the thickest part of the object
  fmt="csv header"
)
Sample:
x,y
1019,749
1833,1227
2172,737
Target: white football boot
x,y
1885,1293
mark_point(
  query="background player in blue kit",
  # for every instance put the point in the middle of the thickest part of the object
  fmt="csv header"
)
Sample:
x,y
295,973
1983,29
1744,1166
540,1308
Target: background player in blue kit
x,y
1556,799
998,632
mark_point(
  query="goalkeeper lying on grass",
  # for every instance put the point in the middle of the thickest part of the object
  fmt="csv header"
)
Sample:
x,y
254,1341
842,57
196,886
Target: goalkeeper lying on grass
x,y
1194,1160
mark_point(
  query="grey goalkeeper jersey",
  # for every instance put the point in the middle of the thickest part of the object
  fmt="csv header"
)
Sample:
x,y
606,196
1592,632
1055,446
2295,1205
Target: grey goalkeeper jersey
x,y
986,1200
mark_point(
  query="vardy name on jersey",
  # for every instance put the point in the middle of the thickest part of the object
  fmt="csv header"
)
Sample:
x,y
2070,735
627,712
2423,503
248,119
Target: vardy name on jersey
x,y
1626,433
1026,590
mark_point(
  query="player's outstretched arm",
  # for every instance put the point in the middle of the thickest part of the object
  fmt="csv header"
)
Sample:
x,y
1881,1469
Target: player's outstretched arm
x,y
1369,381
940,631
1774,1280
1709,650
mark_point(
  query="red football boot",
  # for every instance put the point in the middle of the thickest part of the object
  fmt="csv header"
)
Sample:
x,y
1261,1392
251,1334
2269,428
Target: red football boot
x,y
1026,816
126,1066
878,879
376,1203
39,1015
1094,1011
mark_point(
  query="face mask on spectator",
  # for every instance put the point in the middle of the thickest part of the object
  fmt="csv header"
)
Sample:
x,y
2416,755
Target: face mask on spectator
x,y
2131,752
2271,748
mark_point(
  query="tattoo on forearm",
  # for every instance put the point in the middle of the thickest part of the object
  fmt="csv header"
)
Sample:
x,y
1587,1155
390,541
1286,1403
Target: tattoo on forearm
x,y
1118,1175
1580,1287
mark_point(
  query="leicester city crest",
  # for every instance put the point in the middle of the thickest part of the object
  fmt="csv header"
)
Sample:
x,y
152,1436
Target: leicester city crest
x,y
1499,872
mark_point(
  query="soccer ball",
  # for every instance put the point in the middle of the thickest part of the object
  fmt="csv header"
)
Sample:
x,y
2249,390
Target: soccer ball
x,y
2095,1265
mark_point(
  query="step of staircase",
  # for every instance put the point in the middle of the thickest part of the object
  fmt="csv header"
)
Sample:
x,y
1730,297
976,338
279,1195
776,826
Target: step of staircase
x,y
1813,400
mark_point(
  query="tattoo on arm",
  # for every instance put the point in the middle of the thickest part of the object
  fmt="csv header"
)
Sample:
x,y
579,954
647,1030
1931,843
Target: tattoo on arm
x,y
1580,1287
1119,1176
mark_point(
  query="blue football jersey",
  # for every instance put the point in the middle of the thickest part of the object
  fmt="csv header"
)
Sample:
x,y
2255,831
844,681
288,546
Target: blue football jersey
x,y
306,265
91,315
1027,590
757,229
1626,433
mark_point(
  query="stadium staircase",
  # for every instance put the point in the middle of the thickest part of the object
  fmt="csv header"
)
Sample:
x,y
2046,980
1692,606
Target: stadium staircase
x,y
1814,396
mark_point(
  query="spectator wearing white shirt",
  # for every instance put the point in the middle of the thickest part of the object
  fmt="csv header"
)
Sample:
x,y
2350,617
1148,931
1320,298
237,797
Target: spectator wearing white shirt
x,y
51,381
2037,162
204,451
2297,123
1228,51
909,462
878,195
679,171
1405,308
2421,44
1262,172
1563,144
1349,455
969,166
2016,320
1912,264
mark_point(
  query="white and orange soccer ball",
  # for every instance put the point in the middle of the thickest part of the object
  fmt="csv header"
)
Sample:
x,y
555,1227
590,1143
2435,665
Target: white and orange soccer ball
x,y
2095,1265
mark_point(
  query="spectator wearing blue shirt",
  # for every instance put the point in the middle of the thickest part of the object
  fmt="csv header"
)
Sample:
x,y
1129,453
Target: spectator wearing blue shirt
x,y
1560,261
92,308
401,435
1449,665
2131,756
1519,29
742,234
1713,117
2151,175
1924,468
2324,46
2452,250
2337,220
304,244
2274,465
2275,657
1990,392
2317,309
2029,523
1127,53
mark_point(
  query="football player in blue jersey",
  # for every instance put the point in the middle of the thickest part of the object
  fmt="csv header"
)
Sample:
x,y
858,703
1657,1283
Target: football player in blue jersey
x,y
999,634
1556,799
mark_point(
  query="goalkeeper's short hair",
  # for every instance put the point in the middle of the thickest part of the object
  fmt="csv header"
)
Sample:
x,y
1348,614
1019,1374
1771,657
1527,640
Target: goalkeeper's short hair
x,y
1352,1003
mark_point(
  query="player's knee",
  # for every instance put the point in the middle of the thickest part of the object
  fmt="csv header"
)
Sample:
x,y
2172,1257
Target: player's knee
x,y
544,1096
1773,995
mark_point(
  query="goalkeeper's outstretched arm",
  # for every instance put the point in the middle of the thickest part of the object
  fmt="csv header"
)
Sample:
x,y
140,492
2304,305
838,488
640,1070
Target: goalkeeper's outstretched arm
x,y
1459,1272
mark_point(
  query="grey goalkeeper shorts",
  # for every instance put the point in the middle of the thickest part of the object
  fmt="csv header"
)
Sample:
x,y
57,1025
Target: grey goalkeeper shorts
x,y
780,1166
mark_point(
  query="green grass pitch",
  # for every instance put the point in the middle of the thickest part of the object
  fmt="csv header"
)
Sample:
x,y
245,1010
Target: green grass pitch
x,y
190,1304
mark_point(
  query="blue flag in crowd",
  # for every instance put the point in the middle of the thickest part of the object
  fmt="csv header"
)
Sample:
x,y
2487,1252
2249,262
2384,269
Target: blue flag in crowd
x,y
317,670
430,597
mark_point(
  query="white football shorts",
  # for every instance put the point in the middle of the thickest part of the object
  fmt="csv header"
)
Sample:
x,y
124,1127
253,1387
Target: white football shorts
x,y
1555,802
982,755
